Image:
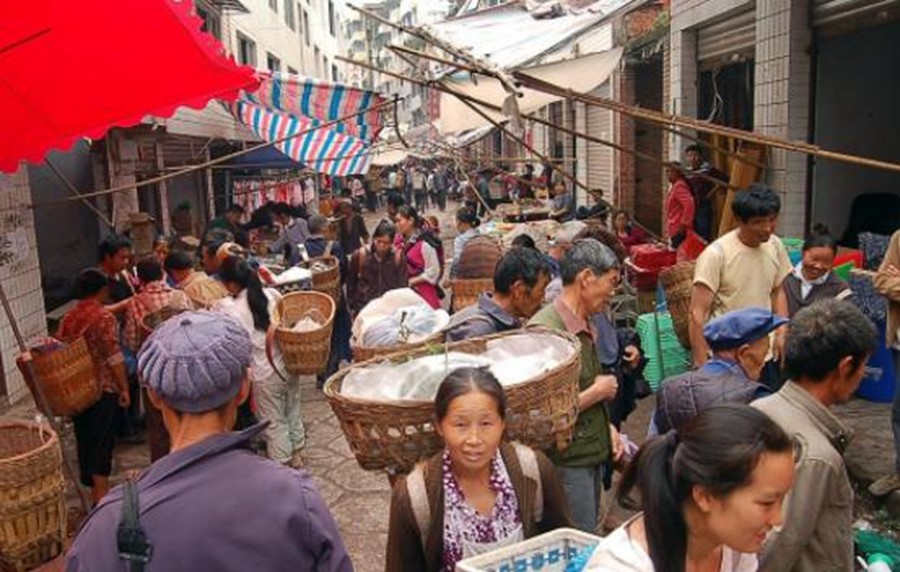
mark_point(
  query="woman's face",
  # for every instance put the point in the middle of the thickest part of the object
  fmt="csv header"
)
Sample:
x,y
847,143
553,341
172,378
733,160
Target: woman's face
x,y
405,225
472,430
743,519
817,262
621,222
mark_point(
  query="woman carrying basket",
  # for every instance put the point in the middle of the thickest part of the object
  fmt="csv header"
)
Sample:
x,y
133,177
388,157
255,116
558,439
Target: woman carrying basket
x,y
275,392
95,426
480,493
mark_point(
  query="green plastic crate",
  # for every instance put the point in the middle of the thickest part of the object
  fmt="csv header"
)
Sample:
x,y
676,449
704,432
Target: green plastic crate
x,y
665,354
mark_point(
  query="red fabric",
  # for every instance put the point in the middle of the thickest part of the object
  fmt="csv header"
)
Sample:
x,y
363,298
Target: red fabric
x,y
679,208
75,69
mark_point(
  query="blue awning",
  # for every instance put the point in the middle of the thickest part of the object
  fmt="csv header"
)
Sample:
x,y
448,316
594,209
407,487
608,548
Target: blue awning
x,y
266,158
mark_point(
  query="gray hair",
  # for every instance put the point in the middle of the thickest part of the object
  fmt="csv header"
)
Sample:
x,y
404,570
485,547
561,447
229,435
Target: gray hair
x,y
590,254
317,224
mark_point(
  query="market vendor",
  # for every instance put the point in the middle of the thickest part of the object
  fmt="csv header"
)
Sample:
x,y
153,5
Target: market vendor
x,y
294,232
480,493
590,275
519,282
739,341
210,504
563,203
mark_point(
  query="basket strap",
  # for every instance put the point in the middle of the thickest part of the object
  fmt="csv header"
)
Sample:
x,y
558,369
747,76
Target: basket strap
x,y
270,351
328,246
131,540
418,501
529,464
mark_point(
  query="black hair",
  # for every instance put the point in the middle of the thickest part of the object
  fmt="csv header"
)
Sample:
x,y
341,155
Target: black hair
x,y
212,247
466,380
758,200
282,209
695,148
409,212
178,260
235,208
236,270
384,228
149,270
111,245
820,237
89,283
607,238
395,200
586,254
524,241
823,334
523,264
467,216
718,450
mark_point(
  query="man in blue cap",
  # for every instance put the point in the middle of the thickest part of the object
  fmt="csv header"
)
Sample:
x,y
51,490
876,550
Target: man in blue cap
x,y
739,341
210,504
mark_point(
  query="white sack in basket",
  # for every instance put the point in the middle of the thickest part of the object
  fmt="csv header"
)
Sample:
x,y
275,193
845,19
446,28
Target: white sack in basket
x,y
385,306
293,274
512,359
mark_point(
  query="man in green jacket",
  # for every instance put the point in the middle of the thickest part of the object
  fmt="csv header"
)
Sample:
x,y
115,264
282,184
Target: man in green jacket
x,y
590,275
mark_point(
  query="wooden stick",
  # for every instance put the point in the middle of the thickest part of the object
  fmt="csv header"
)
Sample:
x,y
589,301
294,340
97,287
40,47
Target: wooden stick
x,y
75,192
41,400
201,166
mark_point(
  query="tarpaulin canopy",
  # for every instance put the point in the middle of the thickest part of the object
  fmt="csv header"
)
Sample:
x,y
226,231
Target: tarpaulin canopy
x,y
580,74
265,158
76,69
287,104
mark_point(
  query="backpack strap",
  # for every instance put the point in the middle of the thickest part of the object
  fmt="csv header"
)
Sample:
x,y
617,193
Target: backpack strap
x,y
131,541
529,463
418,501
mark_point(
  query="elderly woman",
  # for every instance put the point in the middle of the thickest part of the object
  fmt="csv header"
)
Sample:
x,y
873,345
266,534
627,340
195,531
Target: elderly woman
x,y
479,493
709,493
590,275
812,278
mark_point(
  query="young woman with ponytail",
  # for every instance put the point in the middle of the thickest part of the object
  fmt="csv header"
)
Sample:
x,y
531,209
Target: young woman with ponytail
x,y
276,393
710,494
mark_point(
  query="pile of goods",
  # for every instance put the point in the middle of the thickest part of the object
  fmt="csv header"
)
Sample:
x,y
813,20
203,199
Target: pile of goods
x,y
397,320
386,405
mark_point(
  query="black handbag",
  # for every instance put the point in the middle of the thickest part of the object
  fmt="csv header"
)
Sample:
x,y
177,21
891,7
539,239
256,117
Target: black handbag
x,y
131,540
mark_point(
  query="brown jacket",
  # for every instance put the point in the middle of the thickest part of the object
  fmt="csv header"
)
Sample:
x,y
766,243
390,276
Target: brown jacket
x,y
889,287
369,277
404,547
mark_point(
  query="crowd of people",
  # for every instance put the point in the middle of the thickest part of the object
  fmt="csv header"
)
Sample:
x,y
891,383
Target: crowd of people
x,y
741,469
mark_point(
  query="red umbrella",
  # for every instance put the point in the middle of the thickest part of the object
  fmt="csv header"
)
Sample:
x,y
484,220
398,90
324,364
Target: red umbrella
x,y
71,69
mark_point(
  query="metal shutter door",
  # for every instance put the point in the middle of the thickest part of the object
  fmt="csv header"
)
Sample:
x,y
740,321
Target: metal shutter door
x,y
736,34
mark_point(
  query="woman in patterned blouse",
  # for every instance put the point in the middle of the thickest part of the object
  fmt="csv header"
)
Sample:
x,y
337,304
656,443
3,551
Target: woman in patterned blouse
x,y
479,493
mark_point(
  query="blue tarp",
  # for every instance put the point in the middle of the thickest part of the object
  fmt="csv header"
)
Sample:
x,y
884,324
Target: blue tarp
x,y
266,158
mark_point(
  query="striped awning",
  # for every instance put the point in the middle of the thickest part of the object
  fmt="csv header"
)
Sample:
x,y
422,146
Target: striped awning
x,y
286,104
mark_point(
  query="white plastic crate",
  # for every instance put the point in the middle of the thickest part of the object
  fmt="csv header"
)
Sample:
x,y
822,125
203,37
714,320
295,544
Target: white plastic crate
x,y
549,552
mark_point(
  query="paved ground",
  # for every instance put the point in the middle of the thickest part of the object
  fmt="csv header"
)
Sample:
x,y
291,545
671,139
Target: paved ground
x,y
360,500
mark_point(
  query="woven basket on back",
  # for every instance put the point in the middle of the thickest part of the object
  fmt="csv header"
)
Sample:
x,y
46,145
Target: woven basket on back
x,y
66,376
365,353
393,436
32,496
153,320
305,353
678,283
467,290
328,281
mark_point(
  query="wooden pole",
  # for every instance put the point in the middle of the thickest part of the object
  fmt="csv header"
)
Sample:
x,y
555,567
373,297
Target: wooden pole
x,y
75,192
41,401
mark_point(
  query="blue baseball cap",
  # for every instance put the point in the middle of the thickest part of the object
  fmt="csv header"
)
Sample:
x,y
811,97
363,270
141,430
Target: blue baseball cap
x,y
740,327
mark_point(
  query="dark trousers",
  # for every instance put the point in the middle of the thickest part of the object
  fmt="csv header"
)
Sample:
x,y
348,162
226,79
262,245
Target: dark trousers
x,y
421,200
895,414
95,437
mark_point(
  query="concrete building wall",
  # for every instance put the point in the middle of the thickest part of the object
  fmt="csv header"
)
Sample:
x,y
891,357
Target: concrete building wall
x,y
20,276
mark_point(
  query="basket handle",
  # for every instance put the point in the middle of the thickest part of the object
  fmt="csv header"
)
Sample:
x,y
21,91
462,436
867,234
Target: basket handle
x,y
270,351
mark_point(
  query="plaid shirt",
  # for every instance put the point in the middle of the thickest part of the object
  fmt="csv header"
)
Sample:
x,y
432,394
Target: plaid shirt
x,y
100,330
152,298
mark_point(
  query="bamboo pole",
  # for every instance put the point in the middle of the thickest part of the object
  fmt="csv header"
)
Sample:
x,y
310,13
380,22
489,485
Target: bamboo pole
x,y
41,401
204,165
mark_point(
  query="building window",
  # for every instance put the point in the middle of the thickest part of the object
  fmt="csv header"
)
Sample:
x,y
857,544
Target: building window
x,y
305,16
325,67
317,61
290,16
273,4
331,21
246,50
334,73
211,22
273,63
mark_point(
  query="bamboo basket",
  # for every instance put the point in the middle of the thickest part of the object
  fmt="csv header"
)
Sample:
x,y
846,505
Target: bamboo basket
x,y
329,281
365,353
678,283
32,496
394,436
153,320
67,377
467,290
305,353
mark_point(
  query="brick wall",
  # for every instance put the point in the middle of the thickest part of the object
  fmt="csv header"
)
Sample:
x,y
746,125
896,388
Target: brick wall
x,y
625,162
20,276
